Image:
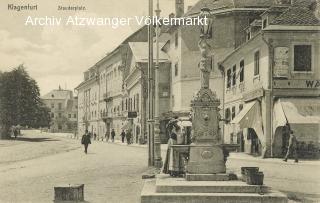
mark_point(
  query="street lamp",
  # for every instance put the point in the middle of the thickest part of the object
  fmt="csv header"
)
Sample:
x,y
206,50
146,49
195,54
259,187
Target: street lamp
x,y
157,140
206,28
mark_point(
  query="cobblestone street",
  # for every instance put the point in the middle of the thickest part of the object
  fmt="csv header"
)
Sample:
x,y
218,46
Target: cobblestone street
x,y
32,165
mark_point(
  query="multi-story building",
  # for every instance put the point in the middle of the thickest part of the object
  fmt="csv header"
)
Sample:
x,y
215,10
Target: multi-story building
x,y
88,103
112,99
101,102
230,18
135,82
63,110
273,80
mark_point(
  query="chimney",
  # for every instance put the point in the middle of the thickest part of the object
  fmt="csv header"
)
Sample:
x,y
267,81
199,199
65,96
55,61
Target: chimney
x,y
171,15
179,8
315,8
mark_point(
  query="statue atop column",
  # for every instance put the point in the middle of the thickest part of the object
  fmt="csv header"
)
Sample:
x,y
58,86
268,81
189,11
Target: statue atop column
x,y
206,154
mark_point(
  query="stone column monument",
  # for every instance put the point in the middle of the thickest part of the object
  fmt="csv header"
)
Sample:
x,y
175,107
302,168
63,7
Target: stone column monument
x,y
206,179
206,155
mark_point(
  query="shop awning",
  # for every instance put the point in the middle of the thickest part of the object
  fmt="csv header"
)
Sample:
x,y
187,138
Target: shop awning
x,y
296,111
279,118
242,117
250,117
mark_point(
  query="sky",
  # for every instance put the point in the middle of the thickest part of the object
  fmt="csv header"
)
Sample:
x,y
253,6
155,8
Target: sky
x,y
58,55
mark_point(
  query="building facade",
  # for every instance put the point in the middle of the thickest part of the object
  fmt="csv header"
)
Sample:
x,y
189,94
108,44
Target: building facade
x,y
102,102
63,110
136,89
230,18
272,82
88,103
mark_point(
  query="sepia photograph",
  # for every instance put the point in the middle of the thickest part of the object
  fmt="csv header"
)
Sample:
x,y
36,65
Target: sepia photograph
x,y
159,101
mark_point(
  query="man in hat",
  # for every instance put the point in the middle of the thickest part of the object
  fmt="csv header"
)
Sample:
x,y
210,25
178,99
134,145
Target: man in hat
x,y
85,140
123,135
113,134
292,148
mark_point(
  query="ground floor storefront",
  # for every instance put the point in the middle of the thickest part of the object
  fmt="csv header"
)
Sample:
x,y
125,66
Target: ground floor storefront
x,y
302,116
298,114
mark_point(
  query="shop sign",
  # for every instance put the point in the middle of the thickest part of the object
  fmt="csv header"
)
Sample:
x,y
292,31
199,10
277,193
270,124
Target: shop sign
x,y
132,114
164,90
296,84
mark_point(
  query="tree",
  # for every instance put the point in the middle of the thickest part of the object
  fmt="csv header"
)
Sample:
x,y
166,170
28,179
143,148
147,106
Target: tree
x,y
20,102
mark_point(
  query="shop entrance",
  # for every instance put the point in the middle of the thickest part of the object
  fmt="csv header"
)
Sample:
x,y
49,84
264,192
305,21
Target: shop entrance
x,y
255,147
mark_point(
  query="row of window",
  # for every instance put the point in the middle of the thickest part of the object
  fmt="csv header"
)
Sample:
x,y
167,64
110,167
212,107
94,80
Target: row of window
x,y
60,115
302,62
112,74
232,74
230,113
59,106
129,104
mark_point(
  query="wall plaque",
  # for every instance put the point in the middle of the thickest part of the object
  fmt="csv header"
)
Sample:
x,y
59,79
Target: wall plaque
x,y
281,62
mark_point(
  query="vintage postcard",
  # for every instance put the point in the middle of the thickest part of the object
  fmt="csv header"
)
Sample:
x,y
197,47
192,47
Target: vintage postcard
x,y
159,101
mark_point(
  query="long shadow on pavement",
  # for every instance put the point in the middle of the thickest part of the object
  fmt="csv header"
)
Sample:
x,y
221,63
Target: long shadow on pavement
x,y
40,139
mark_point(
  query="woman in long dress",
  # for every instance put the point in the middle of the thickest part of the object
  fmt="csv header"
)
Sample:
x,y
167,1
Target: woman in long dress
x,y
171,159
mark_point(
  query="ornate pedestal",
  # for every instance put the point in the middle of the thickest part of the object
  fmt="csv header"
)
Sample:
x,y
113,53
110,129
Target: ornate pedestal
x,y
206,154
206,159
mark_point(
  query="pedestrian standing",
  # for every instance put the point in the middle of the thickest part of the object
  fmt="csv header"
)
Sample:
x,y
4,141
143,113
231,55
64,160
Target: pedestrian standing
x,y
85,140
15,132
113,134
123,135
94,136
292,148
129,136
107,136
171,159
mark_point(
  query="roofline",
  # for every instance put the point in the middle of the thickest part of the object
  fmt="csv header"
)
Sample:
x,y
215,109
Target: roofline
x,y
222,11
94,79
138,67
292,27
237,49
114,51
110,54
273,28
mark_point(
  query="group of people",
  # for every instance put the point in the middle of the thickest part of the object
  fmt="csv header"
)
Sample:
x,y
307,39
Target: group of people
x,y
15,131
86,138
127,136
124,135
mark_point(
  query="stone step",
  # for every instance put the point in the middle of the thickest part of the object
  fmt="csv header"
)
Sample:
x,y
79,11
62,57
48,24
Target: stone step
x,y
149,195
167,184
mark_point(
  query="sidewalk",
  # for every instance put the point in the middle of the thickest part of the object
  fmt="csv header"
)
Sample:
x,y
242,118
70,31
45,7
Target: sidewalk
x,y
233,155
247,157
163,146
